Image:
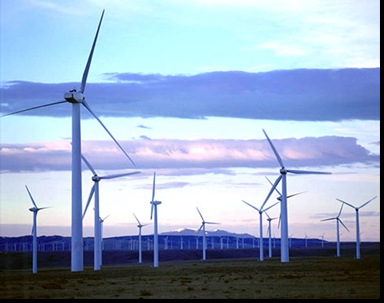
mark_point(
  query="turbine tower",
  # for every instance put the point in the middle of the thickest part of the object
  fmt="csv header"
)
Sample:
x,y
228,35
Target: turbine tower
x,y
283,205
154,204
101,221
139,225
202,227
269,219
77,98
357,223
35,210
337,218
95,191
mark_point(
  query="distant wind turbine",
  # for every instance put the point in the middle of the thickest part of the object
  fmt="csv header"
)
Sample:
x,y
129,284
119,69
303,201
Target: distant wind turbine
x,y
139,225
35,210
101,221
95,191
77,98
283,206
337,218
357,223
154,204
269,219
202,227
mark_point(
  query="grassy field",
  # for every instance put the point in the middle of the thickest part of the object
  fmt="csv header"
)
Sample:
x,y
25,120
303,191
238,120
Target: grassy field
x,y
304,277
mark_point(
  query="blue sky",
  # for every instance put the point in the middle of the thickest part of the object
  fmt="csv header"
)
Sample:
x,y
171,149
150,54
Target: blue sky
x,y
187,88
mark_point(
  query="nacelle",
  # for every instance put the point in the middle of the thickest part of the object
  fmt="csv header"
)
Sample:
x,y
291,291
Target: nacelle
x,y
73,96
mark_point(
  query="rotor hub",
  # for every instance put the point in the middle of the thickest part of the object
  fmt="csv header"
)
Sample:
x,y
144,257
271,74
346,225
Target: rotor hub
x,y
283,171
73,96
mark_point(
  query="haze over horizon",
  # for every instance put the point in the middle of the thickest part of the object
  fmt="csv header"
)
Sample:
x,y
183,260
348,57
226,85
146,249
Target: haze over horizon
x,y
187,89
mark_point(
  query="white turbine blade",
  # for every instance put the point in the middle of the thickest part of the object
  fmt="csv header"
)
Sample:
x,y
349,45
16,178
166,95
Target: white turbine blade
x,y
33,229
295,194
153,186
343,224
119,175
31,108
346,203
273,185
307,172
106,129
89,165
251,205
341,208
271,191
271,206
200,228
367,202
274,150
30,195
200,214
137,219
102,220
328,219
89,199
85,74
152,209
211,223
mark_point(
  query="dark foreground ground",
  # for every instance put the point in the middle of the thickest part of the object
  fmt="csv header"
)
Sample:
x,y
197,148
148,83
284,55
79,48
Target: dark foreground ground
x,y
311,273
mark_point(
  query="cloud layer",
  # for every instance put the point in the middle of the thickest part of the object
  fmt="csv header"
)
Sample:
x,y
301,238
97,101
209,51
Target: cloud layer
x,y
300,95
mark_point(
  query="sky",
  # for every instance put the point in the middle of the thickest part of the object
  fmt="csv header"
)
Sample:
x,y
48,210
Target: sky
x,y
187,88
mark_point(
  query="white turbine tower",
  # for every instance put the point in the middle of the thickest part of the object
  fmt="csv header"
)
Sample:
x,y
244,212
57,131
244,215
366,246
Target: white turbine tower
x,y
77,98
337,218
202,227
139,225
35,210
283,205
260,211
95,191
101,221
357,223
154,204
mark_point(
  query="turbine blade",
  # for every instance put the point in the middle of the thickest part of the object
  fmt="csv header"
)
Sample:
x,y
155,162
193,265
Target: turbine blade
x,y
271,206
137,219
85,74
119,175
89,199
295,194
89,165
367,202
346,203
153,186
271,191
341,208
102,220
32,108
329,219
152,210
273,185
200,228
29,193
251,205
274,150
106,129
343,224
200,214
33,229
211,222
307,172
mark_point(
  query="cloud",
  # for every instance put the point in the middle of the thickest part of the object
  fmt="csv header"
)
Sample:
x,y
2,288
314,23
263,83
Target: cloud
x,y
297,95
189,154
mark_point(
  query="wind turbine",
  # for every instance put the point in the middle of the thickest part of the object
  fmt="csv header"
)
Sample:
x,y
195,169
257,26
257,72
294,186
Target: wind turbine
x,y
283,206
95,190
139,225
35,210
101,221
337,218
357,223
260,211
202,227
154,204
77,98
269,219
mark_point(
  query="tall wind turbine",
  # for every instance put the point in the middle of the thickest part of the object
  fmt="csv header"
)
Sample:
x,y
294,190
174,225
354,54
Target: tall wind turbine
x,y
357,223
95,190
35,210
260,211
283,206
77,98
139,225
202,227
337,218
154,204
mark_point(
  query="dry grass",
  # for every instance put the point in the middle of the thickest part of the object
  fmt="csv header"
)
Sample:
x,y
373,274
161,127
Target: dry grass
x,y
301,278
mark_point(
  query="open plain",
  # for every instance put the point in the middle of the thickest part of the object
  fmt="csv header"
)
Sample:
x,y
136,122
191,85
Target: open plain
x,y
315,274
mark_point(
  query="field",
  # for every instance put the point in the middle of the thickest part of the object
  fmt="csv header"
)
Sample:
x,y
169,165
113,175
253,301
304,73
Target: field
x,y
316,274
